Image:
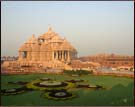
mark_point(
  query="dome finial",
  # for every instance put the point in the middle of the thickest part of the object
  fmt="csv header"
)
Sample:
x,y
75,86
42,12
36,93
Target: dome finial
x,y
33,35
49,28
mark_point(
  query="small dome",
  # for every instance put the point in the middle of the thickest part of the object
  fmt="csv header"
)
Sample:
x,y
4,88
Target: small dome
x,y
32,40
66,45
25,47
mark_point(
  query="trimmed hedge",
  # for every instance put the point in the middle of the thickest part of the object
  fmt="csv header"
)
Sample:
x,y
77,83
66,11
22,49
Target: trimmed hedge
x,y
77,72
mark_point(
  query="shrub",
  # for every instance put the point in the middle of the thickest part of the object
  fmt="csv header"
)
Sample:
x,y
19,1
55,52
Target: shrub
x,y
77,72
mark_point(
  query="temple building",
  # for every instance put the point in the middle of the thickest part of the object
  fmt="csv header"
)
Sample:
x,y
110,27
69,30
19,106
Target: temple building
x,y
47,47
48,50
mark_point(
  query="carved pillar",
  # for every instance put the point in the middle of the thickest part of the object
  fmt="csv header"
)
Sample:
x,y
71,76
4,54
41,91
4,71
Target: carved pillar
x,y
59,55
66,55
56,54
62,55
68,58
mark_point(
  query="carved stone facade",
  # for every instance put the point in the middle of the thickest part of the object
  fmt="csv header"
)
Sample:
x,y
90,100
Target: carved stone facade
x,y
49,47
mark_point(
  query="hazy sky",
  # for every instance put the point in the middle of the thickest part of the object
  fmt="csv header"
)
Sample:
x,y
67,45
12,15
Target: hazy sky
x,y
91,26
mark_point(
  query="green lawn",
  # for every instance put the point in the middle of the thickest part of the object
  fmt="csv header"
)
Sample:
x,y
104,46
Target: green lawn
x,y
119,91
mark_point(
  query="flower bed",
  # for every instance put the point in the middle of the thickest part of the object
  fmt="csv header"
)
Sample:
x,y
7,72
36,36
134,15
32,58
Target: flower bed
x,y
18,82
14,91
49,85
59,95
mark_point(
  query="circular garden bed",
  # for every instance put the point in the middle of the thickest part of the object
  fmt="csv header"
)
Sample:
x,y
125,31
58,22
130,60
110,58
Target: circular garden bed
x,y
49,85
14,91
59,95
18,82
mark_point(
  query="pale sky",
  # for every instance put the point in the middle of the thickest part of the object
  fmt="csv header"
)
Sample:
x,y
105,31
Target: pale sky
x,y
92,27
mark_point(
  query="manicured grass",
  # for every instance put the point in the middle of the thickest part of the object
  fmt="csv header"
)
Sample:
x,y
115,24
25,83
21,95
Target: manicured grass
x,y
119,91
